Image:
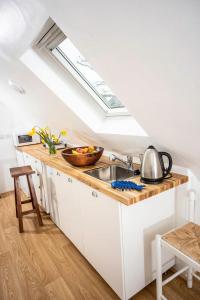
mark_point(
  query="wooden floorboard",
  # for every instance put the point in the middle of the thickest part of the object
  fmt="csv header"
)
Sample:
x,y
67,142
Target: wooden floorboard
x,y
42,263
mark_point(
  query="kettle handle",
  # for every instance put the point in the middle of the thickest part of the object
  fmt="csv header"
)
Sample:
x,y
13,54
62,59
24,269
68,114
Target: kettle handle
x,y
168,169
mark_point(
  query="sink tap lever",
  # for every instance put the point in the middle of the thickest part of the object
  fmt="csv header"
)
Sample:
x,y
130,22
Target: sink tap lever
x,y
128,163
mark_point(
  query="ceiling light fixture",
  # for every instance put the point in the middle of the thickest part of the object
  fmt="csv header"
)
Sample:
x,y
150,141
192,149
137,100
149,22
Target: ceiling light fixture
x,y
12,23
20,22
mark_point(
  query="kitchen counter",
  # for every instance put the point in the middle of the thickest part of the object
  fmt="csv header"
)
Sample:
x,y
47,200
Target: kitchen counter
x,y
125,197
93,215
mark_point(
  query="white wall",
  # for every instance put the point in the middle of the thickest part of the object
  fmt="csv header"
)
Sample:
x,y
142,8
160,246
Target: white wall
x,y
38,106
7,153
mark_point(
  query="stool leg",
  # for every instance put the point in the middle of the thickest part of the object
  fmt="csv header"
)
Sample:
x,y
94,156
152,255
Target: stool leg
x,y
158,268
34,199
189,278
15,198
19,205
31,196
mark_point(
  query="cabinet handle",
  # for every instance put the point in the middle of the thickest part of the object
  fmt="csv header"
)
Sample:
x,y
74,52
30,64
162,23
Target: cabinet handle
x,y
94,194
69,180
58,174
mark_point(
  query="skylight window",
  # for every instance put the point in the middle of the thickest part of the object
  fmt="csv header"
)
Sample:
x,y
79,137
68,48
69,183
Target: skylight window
x,y
67,53
60,47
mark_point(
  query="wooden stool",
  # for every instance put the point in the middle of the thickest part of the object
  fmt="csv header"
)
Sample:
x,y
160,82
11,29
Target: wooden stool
x,y
16,173
184,243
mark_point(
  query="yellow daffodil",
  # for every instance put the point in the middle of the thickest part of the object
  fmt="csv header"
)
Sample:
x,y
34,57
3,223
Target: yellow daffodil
x,y
63,132
55,139
46,136
32,132
29,133
46,129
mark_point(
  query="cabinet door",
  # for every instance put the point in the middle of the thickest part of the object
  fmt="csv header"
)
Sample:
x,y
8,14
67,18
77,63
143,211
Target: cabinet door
x,y
40,178
20,163
35,164
102,236
37,186
69,195
141,222
20,158
27,160
52,195
44,187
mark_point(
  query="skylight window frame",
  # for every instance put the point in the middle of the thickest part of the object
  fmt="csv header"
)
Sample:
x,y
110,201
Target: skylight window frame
x,y
49,43
67,64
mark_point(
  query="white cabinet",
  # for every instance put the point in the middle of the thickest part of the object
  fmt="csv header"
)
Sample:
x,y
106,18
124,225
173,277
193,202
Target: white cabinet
x,y
40,182
27,159
102,236
39,178
52,194
20,162
20,158
69,194
140,224
118,240
91,221
37,181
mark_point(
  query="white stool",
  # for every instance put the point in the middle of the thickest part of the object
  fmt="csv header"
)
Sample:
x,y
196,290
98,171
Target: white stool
x,y
184,243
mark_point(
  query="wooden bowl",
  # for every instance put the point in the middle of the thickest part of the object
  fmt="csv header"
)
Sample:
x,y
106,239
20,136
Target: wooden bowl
x,y
82,160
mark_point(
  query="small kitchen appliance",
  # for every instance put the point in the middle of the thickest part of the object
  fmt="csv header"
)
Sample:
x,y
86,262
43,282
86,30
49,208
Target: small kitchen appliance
x,y
153,169
23,139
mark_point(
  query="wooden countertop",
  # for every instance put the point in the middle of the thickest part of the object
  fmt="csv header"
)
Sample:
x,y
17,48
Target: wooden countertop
x,y
125,197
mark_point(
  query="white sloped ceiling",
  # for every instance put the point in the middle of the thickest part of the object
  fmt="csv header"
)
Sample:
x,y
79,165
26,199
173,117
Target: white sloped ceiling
x,y
149,54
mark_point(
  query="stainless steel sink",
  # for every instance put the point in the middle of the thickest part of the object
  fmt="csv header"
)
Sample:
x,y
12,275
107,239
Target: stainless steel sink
x,y
111,173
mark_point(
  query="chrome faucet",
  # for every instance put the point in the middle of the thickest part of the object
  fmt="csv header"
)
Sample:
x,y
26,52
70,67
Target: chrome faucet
x,y
128,163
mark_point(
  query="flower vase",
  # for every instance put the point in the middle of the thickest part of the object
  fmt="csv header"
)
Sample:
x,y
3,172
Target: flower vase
x,y
52,150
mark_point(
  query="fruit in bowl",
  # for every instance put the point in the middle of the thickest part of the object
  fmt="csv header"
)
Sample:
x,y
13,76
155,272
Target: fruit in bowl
x,y
84,150
82,156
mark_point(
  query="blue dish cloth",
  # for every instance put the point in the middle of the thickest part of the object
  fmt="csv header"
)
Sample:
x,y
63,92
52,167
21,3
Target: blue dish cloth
x,y
127,185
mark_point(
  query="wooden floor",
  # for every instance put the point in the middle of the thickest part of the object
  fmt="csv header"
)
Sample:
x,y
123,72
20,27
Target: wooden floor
x,y
42,263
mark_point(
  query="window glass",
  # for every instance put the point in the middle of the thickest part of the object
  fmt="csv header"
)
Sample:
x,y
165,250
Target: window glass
x,y
87,73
